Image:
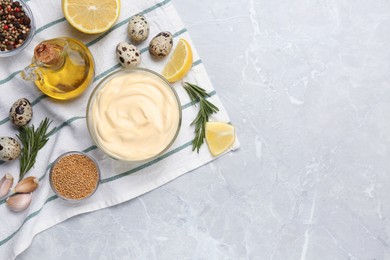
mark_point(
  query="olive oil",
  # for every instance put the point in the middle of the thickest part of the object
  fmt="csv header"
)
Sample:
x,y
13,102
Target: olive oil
x,y
62,68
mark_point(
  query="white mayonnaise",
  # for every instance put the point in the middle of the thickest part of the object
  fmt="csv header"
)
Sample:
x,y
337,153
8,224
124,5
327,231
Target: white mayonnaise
x,y
134,116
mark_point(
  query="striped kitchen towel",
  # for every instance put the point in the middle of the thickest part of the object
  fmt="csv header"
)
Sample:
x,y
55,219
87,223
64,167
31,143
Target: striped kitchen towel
x,y
120,181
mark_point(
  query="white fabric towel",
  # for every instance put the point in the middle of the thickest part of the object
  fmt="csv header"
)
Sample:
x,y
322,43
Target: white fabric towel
x,y
120,181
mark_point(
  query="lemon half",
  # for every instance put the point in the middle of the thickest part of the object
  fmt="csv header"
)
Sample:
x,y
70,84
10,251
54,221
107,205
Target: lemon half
x,y
91,16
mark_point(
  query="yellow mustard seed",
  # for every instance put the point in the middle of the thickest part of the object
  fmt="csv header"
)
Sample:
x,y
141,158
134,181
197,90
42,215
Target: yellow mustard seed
x,y
75,176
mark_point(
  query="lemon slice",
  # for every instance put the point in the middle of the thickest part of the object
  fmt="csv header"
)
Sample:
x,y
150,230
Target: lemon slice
x,y
180,63
219,137
91,16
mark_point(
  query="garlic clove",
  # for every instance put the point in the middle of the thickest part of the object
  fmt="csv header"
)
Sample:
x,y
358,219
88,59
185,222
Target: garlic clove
x,y
19,202
26,185
5,184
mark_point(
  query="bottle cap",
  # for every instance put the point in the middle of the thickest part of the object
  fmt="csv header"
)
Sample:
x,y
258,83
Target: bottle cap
x,y
47,53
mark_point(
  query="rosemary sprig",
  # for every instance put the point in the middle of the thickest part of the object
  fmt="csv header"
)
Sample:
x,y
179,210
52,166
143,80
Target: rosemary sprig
x,y
206,108
32,141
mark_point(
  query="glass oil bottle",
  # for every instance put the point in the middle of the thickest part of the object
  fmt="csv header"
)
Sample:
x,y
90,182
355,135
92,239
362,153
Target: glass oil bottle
x,y
62,68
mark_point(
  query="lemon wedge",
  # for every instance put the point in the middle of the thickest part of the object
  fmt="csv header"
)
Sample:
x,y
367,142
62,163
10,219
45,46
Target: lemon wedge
x,y
219,137
91,16
180,63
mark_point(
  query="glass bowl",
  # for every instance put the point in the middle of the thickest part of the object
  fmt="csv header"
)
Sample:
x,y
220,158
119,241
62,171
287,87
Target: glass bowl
x,y
29,13
134,115
67,173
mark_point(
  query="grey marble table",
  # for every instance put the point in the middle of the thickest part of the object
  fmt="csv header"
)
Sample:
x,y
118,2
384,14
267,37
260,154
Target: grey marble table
x,y
307,84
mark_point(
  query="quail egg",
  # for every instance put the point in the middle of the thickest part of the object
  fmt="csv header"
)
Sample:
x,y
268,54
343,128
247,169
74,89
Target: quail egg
x,y
128,55
9,149
138,29
21,112
161,44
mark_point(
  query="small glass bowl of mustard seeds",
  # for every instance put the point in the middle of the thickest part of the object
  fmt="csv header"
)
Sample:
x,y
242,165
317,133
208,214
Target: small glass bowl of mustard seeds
x,y
17,27
74,176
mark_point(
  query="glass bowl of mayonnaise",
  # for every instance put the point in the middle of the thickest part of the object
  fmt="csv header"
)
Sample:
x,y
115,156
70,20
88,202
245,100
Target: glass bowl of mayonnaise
x,y
134,115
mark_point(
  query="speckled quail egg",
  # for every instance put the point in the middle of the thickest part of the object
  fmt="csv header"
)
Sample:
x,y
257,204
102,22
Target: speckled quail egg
x,y
21,112
161,44
138,29
128,55
9,149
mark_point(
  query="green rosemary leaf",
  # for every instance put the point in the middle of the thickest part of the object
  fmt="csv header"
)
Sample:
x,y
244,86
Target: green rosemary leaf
x,y
206,108
32,141
199,91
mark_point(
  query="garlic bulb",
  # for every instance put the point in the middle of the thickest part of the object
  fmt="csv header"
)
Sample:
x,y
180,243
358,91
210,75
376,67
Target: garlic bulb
x,y
26,185
5,184
19,202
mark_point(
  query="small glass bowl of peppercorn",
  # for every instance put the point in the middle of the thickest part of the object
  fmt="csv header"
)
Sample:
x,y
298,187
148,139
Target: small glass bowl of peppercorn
x,y
74,176
17,27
